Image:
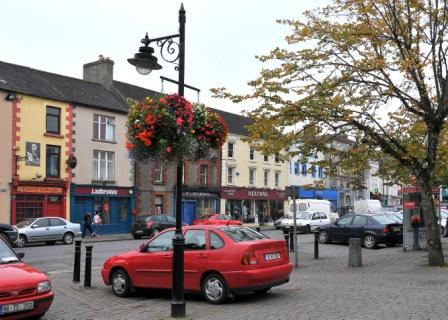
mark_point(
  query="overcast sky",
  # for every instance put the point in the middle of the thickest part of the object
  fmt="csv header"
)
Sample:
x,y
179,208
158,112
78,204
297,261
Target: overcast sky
x,y
222,38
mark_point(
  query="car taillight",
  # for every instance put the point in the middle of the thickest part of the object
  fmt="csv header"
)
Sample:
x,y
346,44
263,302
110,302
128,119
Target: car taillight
x,y
249,258
149,224
387,230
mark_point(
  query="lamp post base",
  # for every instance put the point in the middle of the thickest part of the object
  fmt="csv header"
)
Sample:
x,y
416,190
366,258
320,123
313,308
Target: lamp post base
x,y
177,309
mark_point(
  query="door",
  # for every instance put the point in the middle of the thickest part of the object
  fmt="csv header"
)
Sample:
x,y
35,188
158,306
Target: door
x,y
57,228
39,230
54,207
315,220
324,219
196,256
340,229
152,268
357,227
188,212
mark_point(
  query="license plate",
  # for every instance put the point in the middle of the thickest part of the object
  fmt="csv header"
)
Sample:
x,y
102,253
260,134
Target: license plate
x,y
16,307
139,231
271,256
397,229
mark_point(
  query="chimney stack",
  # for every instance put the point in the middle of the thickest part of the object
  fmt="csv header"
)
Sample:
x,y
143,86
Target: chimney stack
x,y
101,71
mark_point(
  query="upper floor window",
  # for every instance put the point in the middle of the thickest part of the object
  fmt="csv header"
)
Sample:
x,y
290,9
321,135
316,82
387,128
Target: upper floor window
x,y
321,173
266,178
277,179
313,171
231,149
158,172
296,168
252,153
53,120
103,127
277,158
231,175
252,172
103,165
304,169
203,172
53,161
266,158
158,201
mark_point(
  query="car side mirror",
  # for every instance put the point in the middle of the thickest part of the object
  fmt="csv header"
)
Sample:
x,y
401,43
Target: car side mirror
x,y
20,255
34,226
143,247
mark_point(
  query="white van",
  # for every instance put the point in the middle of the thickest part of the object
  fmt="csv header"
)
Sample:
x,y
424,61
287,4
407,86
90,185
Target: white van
x,y
367,206
312,205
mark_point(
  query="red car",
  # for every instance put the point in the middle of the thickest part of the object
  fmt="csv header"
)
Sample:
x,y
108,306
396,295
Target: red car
x,y
24,291
216,218
220,261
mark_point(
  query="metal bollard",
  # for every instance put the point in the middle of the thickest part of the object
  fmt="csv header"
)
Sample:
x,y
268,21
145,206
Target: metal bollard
x,y
258,229
77,262
287,241
354,252
291,239
416,242
316,245
88,270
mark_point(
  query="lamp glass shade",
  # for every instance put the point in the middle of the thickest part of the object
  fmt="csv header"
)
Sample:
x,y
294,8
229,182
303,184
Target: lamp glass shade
x,y
143,70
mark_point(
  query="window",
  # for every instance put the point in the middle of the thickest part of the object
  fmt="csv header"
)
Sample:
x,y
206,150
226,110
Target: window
x,y
303,169
203,172
323,215
158,172
277,158
159,204
42,223
53,161
231,175
103,127
296,168
266,178
360,220
277,179
163,242
252,176
252,153
230,150
265,158
195,240
321,173
103,165
345,220
55,222
242,234
313,171
215,241
53,120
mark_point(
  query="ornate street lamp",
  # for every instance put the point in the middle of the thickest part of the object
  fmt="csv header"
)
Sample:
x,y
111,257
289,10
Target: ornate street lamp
x,y
145,62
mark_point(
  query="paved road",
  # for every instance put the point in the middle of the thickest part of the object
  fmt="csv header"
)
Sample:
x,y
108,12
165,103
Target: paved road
x,y
391,284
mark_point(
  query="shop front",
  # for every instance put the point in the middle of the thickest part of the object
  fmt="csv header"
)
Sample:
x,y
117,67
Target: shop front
x,y
35,199
254,205
197,202
114,205
324,194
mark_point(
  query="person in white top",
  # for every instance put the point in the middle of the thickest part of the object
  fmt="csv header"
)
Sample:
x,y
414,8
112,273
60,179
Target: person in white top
x,y
97,224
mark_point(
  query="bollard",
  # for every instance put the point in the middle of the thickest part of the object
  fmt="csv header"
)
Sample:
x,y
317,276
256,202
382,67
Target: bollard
x,y
258,229
316,244
416,242
77,262
88,270
287,241
354,252
291,239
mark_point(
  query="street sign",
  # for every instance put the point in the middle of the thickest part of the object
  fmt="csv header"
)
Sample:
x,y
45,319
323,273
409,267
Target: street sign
x,y
409,205
417,189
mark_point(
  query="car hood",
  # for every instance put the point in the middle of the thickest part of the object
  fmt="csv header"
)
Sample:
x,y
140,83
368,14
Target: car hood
x,y
121,257
19,276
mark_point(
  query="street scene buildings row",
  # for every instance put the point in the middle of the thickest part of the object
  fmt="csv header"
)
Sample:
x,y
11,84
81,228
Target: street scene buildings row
x,y
63,154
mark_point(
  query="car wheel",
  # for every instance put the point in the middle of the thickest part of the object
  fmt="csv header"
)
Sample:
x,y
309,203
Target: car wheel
x,y
21,241
391,243
4,237
214,288
323,237
369,241
121,284
308,229
67,238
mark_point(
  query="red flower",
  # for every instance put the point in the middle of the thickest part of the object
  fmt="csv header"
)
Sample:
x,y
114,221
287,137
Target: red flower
x,y
147,142
179,121
129,145
169,149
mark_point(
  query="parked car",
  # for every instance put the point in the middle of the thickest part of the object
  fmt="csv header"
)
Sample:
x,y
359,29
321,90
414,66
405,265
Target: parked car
x,y
219,261
8,232
307,221
24,291
372,229
48,229
216,218
278,222
150,225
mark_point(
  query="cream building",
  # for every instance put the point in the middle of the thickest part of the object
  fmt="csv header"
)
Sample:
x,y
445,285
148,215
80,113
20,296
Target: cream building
x,y
5,156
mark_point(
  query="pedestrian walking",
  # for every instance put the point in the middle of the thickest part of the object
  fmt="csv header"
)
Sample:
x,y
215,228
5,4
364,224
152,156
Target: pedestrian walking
x,y
97,224
87,224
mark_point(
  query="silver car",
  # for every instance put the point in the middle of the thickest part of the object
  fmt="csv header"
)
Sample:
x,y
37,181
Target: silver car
x,y
48,229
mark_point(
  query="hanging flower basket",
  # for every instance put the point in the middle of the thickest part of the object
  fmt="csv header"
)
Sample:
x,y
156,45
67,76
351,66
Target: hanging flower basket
x,y
172,128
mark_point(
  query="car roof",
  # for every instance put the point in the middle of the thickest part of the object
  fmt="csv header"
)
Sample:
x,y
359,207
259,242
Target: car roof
x,y
209,226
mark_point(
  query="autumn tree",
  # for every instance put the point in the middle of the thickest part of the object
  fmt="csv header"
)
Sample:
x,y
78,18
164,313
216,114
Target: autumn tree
x,y
373,70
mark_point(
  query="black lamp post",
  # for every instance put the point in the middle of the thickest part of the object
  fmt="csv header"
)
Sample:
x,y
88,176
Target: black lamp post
x,y
145,62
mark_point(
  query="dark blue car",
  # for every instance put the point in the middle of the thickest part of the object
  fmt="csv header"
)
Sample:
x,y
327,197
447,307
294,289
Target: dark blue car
x,y
372,229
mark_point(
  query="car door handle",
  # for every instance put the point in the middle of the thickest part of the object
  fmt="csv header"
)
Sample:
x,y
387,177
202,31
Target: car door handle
x,y
202,256
47,228
166,256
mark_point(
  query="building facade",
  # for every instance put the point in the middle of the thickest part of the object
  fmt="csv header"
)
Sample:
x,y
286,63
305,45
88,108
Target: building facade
x,y
6,158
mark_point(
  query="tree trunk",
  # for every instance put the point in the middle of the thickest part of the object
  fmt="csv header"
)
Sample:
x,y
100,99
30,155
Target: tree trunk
x,y
434,243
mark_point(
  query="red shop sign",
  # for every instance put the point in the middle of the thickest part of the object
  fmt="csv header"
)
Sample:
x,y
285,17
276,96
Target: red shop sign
x,y
409,205
256,194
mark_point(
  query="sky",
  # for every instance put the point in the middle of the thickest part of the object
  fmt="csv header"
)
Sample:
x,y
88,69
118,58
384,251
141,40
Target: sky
x,y
222,38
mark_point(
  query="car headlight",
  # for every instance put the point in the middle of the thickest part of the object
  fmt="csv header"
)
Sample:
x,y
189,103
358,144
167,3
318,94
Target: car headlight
x,y
43,286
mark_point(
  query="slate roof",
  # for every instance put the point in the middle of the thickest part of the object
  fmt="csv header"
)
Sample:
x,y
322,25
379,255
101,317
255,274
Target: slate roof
x,y
48,85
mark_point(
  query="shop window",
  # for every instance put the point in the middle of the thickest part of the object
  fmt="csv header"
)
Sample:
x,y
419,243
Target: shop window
x,y
103,128
123,209
53,120
252,153
203,173
252,172
28,206
158,172
102,205
158,205
266,178
54,198
103,165
231,175
231,149
53,161
277,179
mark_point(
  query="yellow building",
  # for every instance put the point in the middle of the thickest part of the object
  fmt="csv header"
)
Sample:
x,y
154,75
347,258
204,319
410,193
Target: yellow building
x,y
42,145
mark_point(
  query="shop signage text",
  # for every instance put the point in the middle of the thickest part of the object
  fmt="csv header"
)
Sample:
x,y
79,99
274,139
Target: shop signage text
x,y
41,190
102,191
198,194
256,194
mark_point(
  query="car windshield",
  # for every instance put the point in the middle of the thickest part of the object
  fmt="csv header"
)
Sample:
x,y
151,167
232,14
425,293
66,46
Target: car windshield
x,y
384,219
24,223
240,234
6,254
304,215
206,216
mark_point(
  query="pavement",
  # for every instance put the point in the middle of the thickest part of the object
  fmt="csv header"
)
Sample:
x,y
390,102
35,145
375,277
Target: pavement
x,y
391,284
